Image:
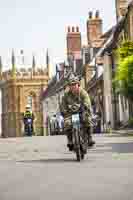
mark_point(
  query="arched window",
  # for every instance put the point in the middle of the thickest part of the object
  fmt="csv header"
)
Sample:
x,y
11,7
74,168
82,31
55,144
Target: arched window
x,y
32,101
29,101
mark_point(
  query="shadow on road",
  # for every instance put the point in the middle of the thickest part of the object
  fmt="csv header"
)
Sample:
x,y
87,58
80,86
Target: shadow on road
x,y
119,135
114,148
51,160
122,147
99,149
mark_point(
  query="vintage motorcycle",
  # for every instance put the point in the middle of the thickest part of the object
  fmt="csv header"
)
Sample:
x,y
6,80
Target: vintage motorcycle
x,y
78,136
28,127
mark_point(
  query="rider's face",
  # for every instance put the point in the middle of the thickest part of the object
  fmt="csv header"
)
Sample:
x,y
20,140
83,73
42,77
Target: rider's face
x,y
67,88
27,109
74,88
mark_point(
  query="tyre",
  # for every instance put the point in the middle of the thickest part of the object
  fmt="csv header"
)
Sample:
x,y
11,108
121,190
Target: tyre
x,y
82,152
29,130
82,156
78,155
77,143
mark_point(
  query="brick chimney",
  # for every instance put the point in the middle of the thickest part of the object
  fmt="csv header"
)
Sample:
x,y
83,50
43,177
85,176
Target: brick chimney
x,y
73,41
94,27
121,7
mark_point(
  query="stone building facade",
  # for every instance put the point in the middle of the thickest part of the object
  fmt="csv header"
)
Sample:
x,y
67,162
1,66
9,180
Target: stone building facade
x,y
20,87
52,97
117,106
121,7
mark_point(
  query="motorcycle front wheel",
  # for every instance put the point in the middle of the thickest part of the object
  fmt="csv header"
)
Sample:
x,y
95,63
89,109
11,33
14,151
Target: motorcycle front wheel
x,y
77,144
29,130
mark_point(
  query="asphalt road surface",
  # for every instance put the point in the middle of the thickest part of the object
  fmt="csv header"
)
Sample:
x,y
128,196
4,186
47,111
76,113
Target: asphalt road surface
x,y
41,168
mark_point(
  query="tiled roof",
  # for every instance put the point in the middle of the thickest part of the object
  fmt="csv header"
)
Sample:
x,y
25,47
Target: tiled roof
x,y
93,82
107,33
112,40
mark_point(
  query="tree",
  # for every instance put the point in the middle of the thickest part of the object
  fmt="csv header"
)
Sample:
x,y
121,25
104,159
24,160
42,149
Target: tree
x,y
124,73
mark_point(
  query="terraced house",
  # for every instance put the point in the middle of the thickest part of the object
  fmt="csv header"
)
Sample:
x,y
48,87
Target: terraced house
x,y
115,107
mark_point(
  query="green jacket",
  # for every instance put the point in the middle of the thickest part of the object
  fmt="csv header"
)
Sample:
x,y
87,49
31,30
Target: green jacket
x,y
28,114
70,99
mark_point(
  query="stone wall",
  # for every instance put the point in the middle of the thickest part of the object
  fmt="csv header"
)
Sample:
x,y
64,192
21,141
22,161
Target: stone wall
x,y
107,76
15,93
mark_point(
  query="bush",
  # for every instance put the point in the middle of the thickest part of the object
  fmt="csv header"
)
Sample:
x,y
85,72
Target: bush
x,y
130,122
124,73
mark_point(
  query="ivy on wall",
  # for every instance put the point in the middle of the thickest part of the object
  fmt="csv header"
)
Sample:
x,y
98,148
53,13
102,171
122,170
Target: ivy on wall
x,y
124,74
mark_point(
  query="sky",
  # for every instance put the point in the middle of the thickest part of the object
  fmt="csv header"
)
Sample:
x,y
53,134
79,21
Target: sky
x,y
35,25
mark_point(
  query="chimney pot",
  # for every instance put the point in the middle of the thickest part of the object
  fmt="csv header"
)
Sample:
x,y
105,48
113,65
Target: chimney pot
x,y
97,14
73,29
77,29
90,14
68,29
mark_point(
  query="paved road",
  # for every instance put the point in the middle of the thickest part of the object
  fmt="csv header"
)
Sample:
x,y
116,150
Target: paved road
x,y
41,168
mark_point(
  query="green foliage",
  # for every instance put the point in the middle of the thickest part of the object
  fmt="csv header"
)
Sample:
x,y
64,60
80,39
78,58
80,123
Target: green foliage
x,y
125,50
124,73
130,122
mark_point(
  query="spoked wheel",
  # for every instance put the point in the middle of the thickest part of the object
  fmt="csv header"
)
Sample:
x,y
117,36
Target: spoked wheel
x,y
29,130
82,156
77,143
82,152
78,154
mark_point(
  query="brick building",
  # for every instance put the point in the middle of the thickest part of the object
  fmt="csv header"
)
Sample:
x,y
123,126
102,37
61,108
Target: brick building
x,y
94,43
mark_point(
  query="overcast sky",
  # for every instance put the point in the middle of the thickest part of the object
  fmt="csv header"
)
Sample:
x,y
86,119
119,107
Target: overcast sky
x,y
35,25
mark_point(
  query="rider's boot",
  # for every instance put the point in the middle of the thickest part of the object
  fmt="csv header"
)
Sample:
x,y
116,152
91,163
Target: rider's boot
x,y
84,142
91,142
70,146
70,143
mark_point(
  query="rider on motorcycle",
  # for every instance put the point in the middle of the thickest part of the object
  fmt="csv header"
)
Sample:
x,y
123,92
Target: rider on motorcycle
x,y
75,95
28,115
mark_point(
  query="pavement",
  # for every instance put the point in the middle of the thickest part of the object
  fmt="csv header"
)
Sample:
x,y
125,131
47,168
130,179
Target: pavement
x,y
38,168
123,132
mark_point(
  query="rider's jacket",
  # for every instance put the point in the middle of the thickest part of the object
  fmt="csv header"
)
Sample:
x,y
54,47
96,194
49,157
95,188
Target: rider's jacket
x,y
72,99
28,115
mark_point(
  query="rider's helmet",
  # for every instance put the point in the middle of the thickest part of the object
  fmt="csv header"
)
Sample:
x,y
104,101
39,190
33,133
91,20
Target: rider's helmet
x,y
28,107
73,80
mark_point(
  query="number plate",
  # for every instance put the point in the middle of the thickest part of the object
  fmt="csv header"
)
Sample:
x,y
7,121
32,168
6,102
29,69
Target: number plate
x,y
75,118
